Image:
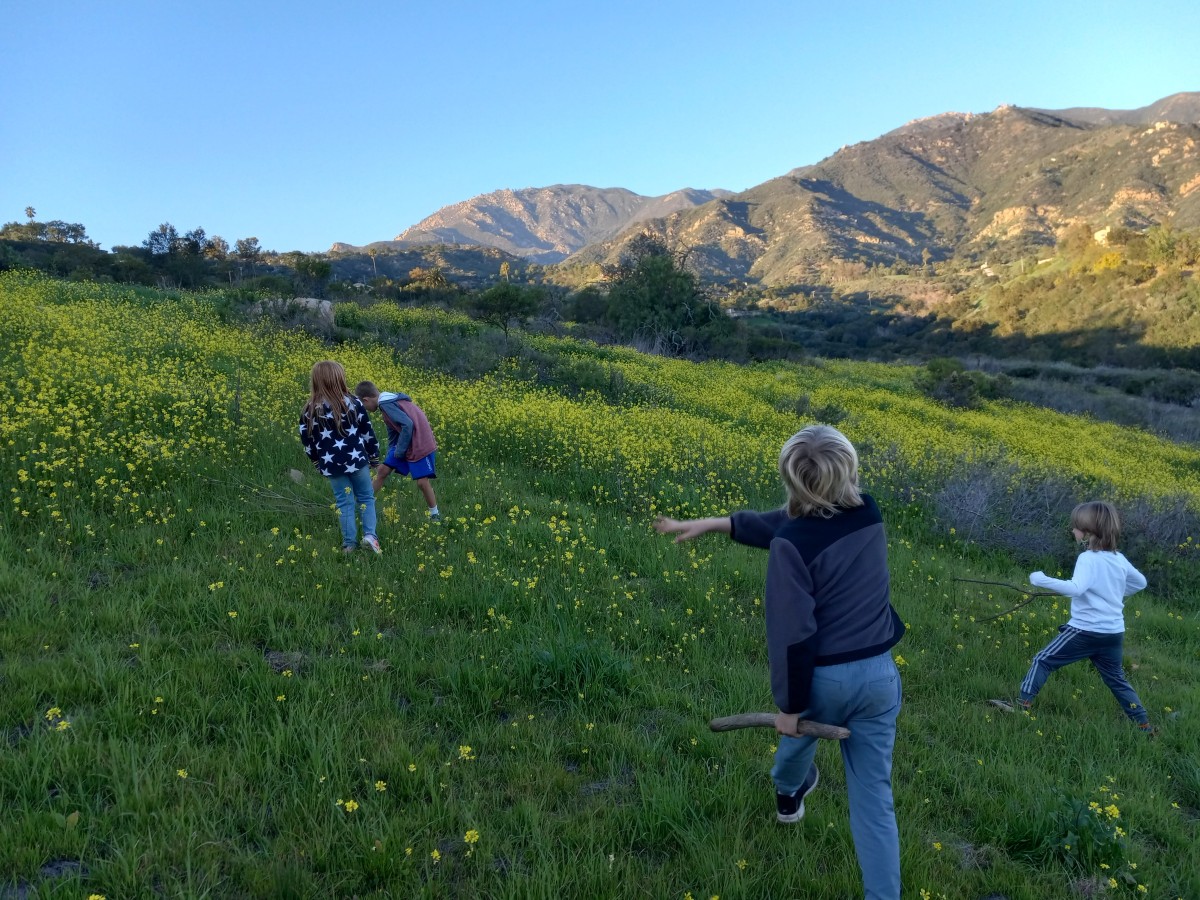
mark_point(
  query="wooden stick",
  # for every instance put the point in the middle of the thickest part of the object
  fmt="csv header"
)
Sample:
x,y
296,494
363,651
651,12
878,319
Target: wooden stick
x,y
767,720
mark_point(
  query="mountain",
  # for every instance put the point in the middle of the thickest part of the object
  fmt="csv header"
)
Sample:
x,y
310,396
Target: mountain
x,y
1183,108
545,225
997,185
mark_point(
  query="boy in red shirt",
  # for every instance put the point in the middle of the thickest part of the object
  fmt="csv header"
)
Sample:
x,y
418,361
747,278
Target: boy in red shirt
x,y
411,445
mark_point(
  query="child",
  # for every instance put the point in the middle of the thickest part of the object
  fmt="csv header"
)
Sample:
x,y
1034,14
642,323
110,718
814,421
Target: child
x,y
830,627
337,436
411,444
1103,578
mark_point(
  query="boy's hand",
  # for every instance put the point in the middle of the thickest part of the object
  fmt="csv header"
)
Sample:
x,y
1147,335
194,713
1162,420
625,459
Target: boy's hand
x,y
684,530
785,723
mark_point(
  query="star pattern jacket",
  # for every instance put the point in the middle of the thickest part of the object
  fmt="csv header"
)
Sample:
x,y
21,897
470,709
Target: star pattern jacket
x,y
340,448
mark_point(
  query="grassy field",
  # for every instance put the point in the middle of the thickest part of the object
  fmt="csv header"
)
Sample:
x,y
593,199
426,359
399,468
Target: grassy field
x,y
202,697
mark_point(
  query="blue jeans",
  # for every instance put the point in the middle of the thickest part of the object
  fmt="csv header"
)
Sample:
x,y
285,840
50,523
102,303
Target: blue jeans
x,y
863,696
350,491
1104,650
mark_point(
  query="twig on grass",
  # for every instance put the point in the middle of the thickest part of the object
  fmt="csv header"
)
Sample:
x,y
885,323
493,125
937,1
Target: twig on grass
x,y
280,498
1029,598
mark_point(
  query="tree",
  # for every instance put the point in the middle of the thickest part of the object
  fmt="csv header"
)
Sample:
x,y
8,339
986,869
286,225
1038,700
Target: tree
x,y
194,242
1076,239
55,232
373,252
948,381
428,278
30,213
652,297
1187,248
504,305
1160,244
248,251
218,248
312,270
162,240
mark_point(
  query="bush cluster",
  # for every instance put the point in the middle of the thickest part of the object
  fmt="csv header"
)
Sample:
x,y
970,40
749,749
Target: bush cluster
x,y
948,381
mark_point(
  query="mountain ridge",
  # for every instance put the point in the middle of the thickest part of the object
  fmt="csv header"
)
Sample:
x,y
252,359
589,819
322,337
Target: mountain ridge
x,y
957,184
999,184
543,225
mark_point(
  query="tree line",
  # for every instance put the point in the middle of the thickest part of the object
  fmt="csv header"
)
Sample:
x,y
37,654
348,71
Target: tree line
x,y
1082,310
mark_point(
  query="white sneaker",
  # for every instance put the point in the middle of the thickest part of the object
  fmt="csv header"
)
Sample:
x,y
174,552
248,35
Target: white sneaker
x,y
369,540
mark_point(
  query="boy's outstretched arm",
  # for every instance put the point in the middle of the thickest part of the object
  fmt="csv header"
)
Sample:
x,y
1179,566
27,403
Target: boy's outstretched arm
x,y
686,529
1081,578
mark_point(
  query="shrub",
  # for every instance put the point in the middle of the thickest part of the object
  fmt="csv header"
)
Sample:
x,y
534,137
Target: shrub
x,y
825,414
997,505
948,382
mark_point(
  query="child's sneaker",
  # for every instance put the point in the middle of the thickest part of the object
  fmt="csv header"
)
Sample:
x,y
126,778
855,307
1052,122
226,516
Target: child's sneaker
x,y
790,807
435,517
1011,706
1147,729
349,548
369,540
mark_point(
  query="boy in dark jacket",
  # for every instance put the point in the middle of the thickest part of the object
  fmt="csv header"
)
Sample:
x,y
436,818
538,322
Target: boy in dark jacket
x,y
830,630
411,445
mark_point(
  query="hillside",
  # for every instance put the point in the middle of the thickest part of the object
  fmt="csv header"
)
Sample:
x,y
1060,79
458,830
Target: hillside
x,y
543,225
203,694
996,186
514,703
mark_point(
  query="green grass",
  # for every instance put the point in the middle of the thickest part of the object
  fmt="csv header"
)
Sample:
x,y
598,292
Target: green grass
x,y
537,672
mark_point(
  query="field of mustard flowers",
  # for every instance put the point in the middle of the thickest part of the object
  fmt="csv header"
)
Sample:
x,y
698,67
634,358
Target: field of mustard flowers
x,y
201,696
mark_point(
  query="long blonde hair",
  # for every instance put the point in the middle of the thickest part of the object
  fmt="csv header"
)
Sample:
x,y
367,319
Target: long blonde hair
x,y
819,468
329,388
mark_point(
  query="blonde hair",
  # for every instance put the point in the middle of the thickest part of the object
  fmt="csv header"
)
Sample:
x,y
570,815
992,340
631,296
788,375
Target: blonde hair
x,y
365,389
329,388
1099,521
819,468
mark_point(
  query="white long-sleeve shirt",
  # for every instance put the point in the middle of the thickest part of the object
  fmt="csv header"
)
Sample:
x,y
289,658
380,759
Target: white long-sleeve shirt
x,y
1098,588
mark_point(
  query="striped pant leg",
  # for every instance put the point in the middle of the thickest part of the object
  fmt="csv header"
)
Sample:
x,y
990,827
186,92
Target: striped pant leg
x,y
1108,662
1068,646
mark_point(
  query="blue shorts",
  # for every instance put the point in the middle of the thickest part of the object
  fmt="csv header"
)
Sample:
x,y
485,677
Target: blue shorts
x,y
421,468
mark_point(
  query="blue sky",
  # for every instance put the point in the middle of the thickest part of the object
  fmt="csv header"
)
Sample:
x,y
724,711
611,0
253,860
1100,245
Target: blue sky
x,y
306,123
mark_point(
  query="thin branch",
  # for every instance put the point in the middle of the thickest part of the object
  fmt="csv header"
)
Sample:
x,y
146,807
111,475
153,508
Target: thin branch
x,y
1030,595
767,720
271,495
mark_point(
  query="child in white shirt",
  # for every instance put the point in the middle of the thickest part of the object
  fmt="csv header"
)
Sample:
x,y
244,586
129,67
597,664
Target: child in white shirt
x,y
1103,578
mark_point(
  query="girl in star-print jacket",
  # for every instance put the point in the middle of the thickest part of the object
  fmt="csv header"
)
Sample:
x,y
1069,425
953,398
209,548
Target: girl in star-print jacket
x,y
337,436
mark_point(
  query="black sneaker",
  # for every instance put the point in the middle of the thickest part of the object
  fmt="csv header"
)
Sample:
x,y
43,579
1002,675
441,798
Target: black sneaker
x,y
790,807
